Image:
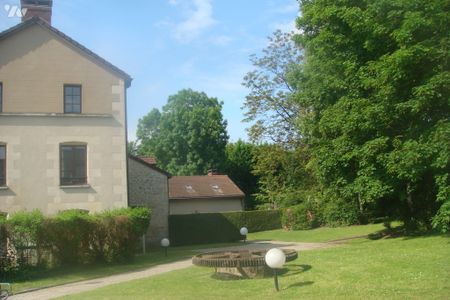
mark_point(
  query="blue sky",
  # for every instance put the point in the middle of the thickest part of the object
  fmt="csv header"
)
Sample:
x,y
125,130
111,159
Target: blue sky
x,y
168,45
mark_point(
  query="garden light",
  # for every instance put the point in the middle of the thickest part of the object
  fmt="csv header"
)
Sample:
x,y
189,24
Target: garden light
x,y
165,243
275,259
244,232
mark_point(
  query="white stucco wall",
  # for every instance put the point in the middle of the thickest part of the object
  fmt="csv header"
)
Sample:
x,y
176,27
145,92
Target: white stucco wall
x,y
34,66
192,206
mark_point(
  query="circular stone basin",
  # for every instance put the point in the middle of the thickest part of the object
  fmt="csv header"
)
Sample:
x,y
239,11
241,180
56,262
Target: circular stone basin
x,y
245,264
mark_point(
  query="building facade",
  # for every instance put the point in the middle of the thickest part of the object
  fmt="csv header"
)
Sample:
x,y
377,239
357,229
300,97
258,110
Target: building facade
x,y
62,122
204,194
148,187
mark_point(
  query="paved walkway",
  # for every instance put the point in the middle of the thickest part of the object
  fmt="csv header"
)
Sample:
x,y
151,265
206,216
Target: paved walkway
x,y
262,245
87,285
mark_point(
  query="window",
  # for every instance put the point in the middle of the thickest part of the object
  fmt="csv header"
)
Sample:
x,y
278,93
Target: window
x,y
1,97
73,165
2,165
72,99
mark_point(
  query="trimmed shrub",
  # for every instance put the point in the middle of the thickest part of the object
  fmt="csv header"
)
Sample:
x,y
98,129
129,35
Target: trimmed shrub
x,y
3,217
69,234
139,218
219,227
256,220
120,230
8,255
340,213
25,228
100,240
299,217
75,237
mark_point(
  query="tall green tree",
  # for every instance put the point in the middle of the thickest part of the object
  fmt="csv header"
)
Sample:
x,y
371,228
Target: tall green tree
x,y
188,137
376,84
284,176
132,147
270,105
239,167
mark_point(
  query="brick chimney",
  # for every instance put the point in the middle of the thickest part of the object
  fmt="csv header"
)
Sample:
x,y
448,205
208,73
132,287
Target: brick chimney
x,y
213,172
37,8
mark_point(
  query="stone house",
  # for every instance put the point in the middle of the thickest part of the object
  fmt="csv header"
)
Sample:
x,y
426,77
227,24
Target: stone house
x,y
204,194
148,187
63,141
62,121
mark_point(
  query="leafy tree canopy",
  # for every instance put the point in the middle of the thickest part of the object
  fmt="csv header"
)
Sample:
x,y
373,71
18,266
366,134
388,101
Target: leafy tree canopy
x,y
376,84
239,167
270,104
188,137
284,176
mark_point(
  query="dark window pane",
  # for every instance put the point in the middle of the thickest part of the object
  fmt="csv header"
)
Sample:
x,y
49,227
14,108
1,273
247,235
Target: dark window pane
x,y
73,165
2,173
76,91
2,165
76,108
1,97
76,100
68,90
72,99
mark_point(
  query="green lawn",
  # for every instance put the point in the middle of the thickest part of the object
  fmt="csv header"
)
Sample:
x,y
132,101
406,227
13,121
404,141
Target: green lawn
x,y
44,278
39,279
392,268
323,234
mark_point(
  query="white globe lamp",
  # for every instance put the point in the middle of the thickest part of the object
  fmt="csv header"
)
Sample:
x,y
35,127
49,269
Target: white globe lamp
x,y
244,232
165,243
275,259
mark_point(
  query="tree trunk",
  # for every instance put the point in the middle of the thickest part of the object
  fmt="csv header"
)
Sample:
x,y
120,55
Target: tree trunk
x,y
409,199
360,203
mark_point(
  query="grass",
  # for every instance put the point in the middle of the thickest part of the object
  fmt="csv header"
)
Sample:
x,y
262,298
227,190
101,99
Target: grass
x,y
394,268
50,277
322,234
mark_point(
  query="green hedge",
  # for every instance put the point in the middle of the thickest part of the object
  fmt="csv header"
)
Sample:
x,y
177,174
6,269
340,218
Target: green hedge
x,y
76,237
299,217
219,227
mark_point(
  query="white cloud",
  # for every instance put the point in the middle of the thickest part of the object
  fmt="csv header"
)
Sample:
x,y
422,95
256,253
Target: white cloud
x,y
285,26
221,40
174,2
188,67
199,18
288,9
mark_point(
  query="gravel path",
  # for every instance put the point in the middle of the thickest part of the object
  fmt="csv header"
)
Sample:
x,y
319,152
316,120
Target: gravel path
x,y
87,285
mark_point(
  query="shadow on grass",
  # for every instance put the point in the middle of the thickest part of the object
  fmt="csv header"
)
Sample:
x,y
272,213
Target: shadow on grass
x,y
290,270
226,276
300,284
294,270
405,233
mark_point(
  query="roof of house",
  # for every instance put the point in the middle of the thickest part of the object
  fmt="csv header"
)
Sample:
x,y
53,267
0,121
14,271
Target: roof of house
x,y
150,165
38,21
203,187
148,159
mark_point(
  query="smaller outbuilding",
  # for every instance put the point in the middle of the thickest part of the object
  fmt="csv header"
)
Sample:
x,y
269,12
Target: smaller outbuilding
x,y
204,194
148,187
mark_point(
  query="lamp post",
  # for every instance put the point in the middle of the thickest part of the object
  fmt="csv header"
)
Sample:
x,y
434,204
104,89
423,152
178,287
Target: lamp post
x,y
275,259
244,232
165,243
